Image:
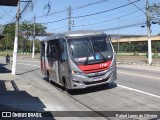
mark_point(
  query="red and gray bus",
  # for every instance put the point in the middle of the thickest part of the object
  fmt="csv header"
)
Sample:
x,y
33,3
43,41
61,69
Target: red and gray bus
x,y
78,59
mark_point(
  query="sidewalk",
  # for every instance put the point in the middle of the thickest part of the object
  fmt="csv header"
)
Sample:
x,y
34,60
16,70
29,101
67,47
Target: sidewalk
x,y
16,92
5,78
9,91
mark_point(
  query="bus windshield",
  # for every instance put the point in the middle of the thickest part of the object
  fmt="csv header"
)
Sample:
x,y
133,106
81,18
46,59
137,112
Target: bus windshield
x,y
90,50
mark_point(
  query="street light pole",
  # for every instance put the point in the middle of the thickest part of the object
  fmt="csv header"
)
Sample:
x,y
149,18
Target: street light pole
x,y
149,34
16,40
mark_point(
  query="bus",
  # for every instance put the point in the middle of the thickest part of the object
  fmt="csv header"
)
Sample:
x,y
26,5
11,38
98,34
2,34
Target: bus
x,y
78,59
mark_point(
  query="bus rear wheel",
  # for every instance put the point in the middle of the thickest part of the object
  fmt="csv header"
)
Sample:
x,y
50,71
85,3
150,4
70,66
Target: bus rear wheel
x,y
48,77
64,83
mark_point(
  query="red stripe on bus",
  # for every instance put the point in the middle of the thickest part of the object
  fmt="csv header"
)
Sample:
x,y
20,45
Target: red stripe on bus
x,y
95,68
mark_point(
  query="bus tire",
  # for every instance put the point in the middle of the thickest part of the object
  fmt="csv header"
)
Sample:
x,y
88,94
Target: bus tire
x,y
64,84
66,87
48,76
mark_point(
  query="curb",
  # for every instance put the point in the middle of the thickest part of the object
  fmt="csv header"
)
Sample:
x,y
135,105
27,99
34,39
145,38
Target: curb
x,y
138,63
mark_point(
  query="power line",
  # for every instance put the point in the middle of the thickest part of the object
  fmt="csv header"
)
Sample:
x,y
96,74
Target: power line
x,y
5,12
124,21
110,19
60,27
9,14
89,24
125,26
107,15
93,13
137,7
83,6
106,10
90,4
55,21
57,12
25,8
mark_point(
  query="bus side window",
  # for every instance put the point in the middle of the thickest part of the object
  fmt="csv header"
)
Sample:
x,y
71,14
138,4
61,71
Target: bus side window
x,y
42,49
63,49
47,52
52,51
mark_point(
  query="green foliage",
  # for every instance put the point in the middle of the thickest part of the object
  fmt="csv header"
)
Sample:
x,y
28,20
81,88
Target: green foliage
x,y
7,42
137,47
154,10
26,31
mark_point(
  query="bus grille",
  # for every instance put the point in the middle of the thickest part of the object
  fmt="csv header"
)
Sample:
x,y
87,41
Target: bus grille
x,y
95,82
95,70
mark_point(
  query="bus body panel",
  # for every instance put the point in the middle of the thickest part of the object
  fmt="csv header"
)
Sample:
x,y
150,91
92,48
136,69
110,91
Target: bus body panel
x,y
62,68
93,79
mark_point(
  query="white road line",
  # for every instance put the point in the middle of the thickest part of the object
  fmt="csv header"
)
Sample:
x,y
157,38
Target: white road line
x,y
139,91
23,60
29,64
146,76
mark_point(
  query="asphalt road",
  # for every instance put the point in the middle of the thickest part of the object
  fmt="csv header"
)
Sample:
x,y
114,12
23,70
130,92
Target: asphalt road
x,y
137,89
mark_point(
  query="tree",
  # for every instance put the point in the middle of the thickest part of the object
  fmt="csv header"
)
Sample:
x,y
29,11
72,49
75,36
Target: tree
x,y
7,41
25,33
154,11
27,30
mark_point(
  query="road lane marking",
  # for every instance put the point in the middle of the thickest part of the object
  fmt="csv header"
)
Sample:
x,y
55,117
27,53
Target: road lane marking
x,y
20,60
29,64
9,86
26,64
139,91
157,78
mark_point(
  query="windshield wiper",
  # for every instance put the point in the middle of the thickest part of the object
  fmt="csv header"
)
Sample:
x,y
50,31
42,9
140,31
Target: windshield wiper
x,y
104,59
97,51
86,61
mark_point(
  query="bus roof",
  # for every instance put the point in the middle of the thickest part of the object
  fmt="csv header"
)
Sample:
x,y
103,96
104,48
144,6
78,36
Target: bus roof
x,y
77,33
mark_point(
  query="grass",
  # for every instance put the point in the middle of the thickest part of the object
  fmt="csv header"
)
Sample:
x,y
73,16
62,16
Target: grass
x,y
136,58
4,53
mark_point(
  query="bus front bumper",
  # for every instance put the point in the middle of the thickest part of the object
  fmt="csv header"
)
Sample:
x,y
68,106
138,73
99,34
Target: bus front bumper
x,y
80,82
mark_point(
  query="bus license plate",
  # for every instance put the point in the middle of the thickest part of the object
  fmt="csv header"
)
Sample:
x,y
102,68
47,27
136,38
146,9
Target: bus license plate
x,y
97,79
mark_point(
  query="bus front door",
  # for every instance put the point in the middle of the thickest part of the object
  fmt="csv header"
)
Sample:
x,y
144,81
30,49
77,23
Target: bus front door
x,y
54,72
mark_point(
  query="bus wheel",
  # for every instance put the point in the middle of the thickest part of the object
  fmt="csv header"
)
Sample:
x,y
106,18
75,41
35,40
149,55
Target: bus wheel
x,y
48,77
65,84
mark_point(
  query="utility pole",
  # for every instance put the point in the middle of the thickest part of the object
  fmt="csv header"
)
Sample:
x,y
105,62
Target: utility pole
x,y
118,39
69,18
16,40
7,42
149,34
34,34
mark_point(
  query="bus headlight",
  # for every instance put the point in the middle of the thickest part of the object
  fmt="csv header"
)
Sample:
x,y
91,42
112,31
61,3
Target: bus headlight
x,y
76,81
76,72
